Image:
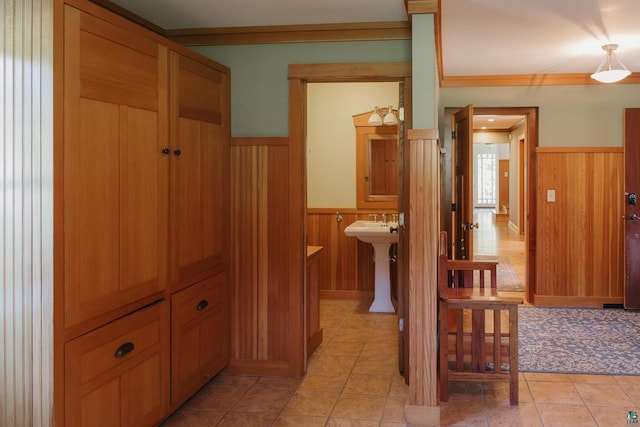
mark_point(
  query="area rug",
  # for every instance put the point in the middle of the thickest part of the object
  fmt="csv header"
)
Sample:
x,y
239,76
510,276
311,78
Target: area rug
x,y
508,280
579,341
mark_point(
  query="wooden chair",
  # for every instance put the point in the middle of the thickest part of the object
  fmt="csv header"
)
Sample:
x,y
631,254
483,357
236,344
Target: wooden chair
x,y
480,347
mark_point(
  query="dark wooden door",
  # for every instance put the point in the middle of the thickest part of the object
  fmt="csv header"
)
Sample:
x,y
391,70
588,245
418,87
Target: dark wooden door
x,y
632,208
403,237
462,238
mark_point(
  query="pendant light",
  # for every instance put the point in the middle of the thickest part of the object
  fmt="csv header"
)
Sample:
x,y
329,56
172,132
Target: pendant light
x,y
605,72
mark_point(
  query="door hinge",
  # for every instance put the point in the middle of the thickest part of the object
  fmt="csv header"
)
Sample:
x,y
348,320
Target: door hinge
x,y
453,207
453,134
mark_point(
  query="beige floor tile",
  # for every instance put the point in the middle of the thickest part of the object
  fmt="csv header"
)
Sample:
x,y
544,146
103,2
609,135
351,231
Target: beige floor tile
x,y
193,418
236,381
216,398
368,384
398,385
360,407
500,392
345,422
318,403
263,400
300,421
382,348
455,398
603,395
244,419
392,424
343,348
553,392
606,416
376,365
394,408
350,335
278,383
502,414
466,387
463,412
565,415
631,386
324,381
328,363
536,376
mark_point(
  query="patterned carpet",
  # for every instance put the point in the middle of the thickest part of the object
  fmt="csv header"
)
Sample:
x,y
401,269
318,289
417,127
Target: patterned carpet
x,y
508,279
579,340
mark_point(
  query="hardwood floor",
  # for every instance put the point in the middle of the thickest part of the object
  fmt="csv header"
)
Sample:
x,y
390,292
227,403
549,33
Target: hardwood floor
x,y
495,238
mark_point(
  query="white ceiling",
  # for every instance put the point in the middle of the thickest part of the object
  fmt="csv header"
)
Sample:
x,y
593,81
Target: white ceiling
x,y
479,37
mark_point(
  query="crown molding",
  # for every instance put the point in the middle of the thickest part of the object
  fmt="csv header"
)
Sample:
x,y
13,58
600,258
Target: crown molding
x,y
361,31
529,80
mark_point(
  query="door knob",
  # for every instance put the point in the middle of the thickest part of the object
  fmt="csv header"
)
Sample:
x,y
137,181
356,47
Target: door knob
x,y
633,217
177,152
471,226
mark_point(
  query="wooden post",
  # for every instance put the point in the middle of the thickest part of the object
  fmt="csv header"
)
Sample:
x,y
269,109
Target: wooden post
x,y
424,211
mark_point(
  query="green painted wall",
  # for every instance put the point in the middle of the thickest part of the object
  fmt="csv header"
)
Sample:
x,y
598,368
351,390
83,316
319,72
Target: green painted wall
x,y
259,85
569,116
424,72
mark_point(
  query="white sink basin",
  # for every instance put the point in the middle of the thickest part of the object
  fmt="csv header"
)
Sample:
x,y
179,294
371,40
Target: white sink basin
x,y
373,232
380,236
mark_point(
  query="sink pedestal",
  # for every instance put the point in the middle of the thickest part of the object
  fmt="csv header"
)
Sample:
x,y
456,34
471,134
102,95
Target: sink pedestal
x,y
381,235
382,296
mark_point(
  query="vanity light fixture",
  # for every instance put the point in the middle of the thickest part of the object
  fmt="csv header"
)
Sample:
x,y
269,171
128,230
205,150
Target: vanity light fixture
x,y
376,118
605,72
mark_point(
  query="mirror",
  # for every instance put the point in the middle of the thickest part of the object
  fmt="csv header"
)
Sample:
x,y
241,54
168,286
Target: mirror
x,y
376,164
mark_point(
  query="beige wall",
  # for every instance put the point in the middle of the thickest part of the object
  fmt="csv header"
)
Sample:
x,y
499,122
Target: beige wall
x,y
514,175
331,138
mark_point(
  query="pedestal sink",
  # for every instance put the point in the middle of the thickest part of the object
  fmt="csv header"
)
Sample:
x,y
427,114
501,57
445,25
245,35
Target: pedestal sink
x,y
380,236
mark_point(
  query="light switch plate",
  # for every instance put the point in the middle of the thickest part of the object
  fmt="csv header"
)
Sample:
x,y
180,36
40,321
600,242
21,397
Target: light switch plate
x,y
551,195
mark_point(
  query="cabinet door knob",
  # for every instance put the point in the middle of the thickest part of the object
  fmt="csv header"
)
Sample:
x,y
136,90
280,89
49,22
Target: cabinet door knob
x,y
165,151
202,305
124,349
177,152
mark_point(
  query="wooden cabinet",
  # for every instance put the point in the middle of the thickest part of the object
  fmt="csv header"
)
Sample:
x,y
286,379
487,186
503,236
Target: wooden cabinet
x,y
117,375
199,169
114,196
142,187
200,333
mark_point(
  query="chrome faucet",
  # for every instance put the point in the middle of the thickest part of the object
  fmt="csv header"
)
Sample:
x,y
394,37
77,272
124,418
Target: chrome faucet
x,y
384,217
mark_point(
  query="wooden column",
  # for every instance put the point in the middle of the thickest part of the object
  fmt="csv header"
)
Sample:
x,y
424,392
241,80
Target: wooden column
x,y
424,212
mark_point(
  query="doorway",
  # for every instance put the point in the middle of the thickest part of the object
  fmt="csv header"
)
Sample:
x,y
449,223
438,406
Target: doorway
x,y
506,222
299,77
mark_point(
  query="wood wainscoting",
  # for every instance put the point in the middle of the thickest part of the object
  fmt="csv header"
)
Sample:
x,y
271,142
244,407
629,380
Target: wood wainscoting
x,y
580,235
347,269
259,267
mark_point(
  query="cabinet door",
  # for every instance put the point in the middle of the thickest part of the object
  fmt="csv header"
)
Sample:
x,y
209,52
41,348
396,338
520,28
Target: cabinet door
x,y
118,375
115,176
200,335
198,170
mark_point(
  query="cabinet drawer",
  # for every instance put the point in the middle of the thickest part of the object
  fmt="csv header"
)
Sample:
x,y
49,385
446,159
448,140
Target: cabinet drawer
x,y
118,374
199,300
200,335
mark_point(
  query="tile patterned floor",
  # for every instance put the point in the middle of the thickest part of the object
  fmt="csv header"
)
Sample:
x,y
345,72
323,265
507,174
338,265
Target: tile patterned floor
x,y
353,381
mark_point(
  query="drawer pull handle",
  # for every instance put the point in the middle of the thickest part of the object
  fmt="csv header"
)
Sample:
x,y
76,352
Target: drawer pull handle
x,y
124,349
202,305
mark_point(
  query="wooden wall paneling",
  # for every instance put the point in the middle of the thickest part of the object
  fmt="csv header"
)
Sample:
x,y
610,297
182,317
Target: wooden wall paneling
x,y
26,203
580,261
259,264
297,225
424,210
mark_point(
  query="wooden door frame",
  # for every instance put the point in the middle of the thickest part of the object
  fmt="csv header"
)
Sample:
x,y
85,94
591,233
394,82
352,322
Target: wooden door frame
x,y
531,143
522,190
299,76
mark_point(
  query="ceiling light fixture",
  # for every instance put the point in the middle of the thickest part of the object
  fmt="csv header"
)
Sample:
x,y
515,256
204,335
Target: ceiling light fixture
x,y
605,72
376,118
